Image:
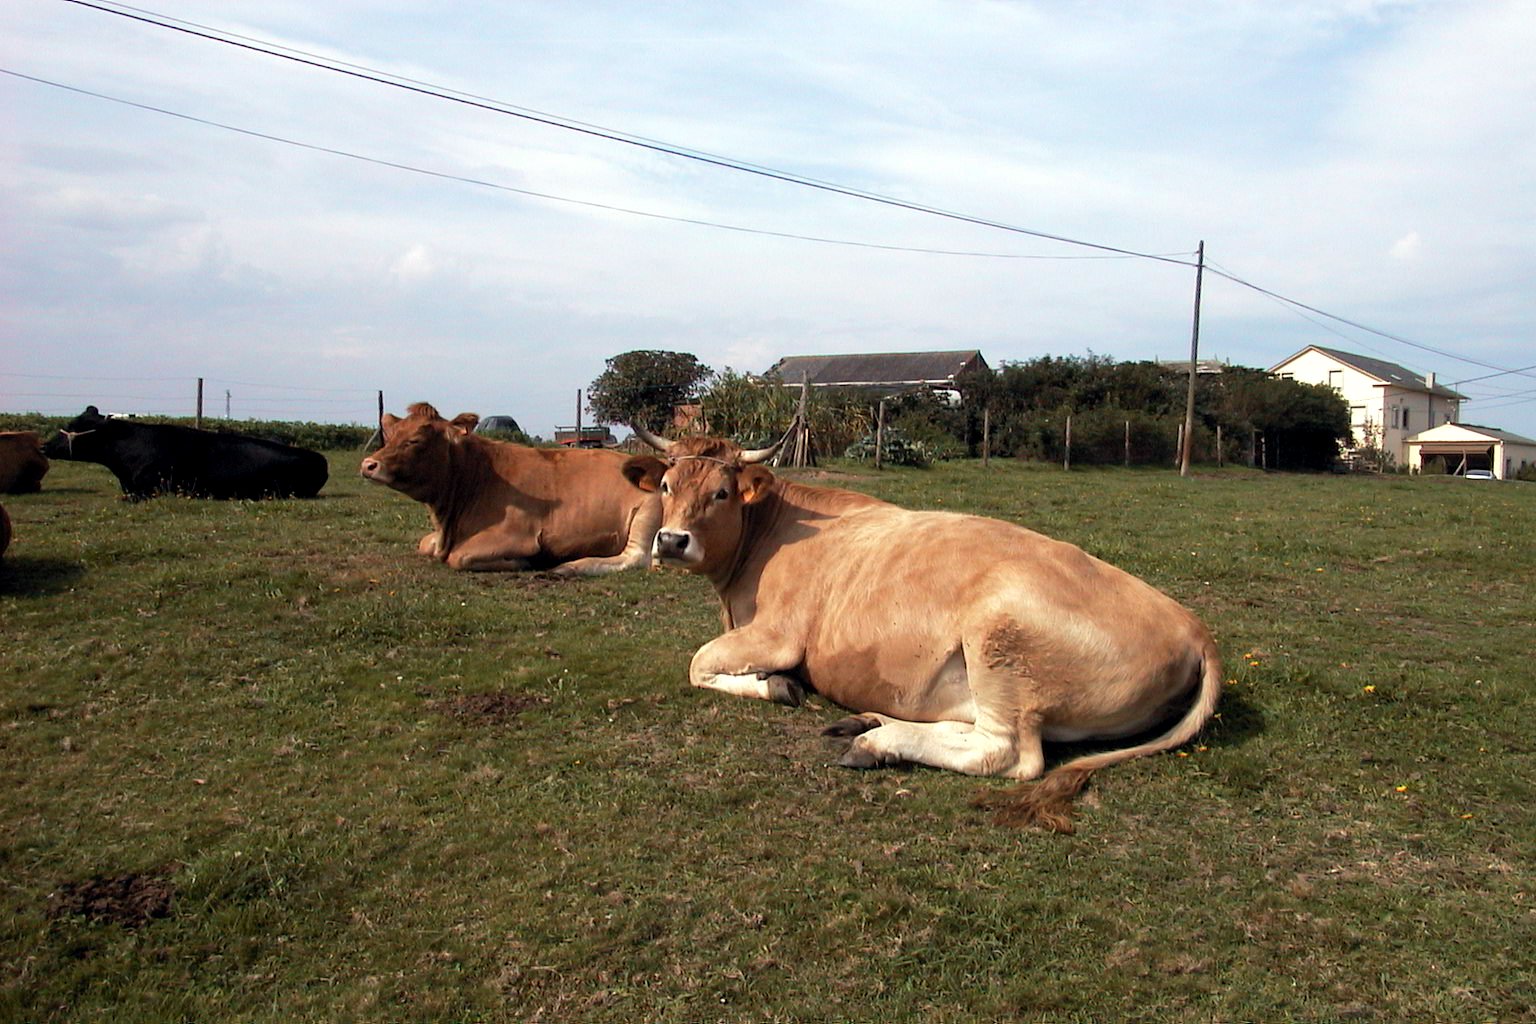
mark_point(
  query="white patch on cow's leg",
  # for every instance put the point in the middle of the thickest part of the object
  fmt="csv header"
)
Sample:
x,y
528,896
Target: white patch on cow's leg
x,y
957,746
596,566
749,662
778,688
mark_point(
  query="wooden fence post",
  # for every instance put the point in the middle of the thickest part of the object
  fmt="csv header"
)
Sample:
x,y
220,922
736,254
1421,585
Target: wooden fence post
x,y
879,434
1066,462
986,435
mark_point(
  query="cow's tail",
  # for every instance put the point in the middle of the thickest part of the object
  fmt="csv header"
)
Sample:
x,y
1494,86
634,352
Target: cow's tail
x,y
1048,803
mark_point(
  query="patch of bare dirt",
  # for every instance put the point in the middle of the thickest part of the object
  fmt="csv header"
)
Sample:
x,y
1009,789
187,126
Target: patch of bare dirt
x,y
488,708
129,900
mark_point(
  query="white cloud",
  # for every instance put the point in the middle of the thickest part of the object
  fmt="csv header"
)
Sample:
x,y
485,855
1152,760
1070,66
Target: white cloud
x,y
1407,247
414,266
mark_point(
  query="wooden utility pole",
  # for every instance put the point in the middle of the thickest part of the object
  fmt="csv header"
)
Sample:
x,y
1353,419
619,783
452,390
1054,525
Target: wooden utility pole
x,y
577,442
1194,357
1127,444
1066,459
199,423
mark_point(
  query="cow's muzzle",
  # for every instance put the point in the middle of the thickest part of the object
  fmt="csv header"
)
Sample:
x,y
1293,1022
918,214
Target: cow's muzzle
x,y
674,546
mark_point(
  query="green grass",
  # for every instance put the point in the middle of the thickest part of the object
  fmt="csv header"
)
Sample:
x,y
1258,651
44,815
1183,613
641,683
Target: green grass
x,y
378,790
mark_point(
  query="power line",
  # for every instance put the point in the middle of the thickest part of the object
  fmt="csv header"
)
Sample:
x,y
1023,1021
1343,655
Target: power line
x,y
1362,327
480,182
553,121
76,376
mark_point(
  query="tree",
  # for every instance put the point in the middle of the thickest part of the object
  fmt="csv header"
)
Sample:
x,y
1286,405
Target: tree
x,y
644,386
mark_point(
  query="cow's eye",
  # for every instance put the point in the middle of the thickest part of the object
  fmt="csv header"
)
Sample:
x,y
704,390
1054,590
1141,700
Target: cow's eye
x,y
722,494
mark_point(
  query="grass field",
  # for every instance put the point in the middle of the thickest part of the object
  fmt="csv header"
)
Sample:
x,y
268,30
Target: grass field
x,y
262,763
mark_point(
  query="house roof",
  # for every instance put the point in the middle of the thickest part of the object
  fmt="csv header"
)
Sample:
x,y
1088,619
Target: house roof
x,y
877,368
1381,369
1493,433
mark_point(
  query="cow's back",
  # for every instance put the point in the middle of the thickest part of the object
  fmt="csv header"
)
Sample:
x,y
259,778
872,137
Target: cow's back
x,y
576,500
153,458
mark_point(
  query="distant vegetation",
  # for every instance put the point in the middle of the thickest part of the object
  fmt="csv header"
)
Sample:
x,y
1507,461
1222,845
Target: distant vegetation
x,y
1263,420
316,436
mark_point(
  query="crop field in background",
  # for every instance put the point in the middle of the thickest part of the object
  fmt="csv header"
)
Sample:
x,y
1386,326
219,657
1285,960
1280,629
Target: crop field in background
x,y
263,763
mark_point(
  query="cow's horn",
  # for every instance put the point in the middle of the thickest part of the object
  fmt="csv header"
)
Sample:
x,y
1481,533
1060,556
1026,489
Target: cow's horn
x,y
661,444
764,454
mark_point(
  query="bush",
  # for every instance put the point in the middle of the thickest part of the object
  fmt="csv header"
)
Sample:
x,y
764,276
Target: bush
x,y
896,449
317,436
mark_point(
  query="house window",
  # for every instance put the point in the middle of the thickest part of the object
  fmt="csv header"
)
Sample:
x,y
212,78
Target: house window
x,y
1395,417
1405,418
1336,379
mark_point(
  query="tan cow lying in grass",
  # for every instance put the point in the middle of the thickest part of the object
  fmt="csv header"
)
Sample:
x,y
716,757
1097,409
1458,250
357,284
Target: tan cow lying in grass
x,y
501,506
962,642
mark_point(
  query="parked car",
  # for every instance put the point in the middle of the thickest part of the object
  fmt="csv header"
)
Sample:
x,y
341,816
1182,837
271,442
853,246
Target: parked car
x,y
1480,474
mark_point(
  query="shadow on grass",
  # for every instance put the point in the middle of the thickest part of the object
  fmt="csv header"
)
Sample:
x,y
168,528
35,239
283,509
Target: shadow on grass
x,y
1237,720
37,577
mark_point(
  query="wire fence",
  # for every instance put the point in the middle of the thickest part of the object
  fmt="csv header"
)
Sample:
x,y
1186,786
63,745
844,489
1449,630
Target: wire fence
x,y
208,397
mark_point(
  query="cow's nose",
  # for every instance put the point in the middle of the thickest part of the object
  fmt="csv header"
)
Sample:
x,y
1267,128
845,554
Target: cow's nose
x,y
369,465
671,543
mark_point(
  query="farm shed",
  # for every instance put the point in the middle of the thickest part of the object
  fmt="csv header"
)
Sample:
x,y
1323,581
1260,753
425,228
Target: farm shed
x,y
1458,447
881,371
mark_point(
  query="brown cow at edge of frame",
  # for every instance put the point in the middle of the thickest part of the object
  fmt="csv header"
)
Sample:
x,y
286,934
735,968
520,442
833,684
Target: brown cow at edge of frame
x,y
961,642
497,506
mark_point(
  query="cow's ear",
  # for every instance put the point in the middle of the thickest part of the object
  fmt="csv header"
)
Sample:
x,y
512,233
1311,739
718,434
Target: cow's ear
x,y
465,421
754,482
644,471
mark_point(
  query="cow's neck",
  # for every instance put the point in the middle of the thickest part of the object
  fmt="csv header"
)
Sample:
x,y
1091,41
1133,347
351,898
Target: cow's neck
x,y
759,519
468,468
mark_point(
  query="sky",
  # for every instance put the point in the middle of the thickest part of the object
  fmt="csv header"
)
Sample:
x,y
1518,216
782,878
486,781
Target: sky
x,y
304,239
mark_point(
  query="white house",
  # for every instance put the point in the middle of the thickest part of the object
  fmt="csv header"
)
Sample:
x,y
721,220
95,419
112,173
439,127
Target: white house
x,y
1388,403
1458,447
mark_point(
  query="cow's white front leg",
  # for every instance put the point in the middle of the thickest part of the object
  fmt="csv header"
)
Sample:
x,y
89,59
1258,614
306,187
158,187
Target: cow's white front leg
x,y
957,746
777,687
749,663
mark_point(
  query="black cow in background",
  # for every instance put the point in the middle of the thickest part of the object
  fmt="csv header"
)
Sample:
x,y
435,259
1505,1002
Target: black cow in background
x,y
155,458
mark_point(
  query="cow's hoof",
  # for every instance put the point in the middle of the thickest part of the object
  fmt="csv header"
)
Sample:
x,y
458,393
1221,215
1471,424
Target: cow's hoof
x,y
859,756
853,725
784,690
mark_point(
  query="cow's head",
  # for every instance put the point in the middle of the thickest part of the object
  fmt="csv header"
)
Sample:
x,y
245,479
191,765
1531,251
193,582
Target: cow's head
x,y
81,438
417,450
706,485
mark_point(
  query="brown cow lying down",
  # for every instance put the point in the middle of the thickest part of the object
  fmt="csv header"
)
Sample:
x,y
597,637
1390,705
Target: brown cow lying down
x,y
963,642
501,506
22,462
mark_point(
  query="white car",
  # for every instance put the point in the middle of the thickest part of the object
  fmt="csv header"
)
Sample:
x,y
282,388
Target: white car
x,y
1479,474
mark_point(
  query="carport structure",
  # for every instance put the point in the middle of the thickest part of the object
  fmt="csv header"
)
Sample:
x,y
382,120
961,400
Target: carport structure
x,y
1458,447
